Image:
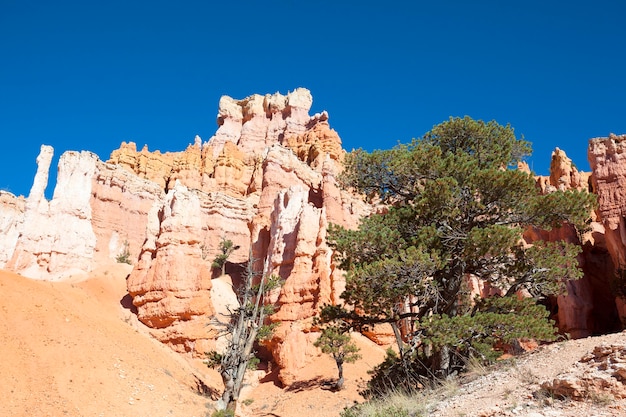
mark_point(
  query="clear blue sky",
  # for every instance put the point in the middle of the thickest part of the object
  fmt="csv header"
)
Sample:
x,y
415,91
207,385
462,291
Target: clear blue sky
x,y
85,75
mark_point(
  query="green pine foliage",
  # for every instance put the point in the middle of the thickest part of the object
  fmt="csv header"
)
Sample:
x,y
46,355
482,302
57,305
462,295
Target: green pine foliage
x,y
498,322
454,209
124,256
335,341
227,247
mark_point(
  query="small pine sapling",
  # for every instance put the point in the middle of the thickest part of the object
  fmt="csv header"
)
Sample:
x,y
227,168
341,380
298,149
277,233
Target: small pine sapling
x,y
335,340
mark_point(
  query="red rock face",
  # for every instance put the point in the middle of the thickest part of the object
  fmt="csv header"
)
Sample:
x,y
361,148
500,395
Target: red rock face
x,y
171,283
589,307
270,187
608,162
266,181
120,203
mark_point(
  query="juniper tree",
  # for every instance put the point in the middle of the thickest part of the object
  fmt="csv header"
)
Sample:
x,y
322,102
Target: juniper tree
x,y
455,207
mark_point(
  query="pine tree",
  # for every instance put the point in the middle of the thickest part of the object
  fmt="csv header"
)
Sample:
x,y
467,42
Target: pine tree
x,y
454,208
227,247
335,341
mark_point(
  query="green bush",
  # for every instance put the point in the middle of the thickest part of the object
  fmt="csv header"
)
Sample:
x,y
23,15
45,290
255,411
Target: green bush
x,y
124,256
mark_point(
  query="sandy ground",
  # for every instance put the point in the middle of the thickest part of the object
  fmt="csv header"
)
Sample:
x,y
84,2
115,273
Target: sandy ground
x,y
312,397
70,349
76,349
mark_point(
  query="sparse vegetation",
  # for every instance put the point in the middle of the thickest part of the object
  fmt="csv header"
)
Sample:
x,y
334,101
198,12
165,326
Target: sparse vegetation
x,y
394,405
245,327
223,413
601,399
124,256
526,375
227,247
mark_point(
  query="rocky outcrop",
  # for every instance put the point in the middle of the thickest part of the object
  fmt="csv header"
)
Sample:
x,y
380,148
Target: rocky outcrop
x,y
598,374
270,187
588,308
256,122
171,283
607,158
563,175
44,250
120,205
97,210
608,162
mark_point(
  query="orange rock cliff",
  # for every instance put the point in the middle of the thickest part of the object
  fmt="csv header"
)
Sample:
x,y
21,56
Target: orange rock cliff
x,y
266,181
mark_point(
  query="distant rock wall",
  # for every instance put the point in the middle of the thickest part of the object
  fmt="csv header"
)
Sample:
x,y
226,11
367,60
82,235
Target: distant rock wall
x,y
56,238
589,307
607,159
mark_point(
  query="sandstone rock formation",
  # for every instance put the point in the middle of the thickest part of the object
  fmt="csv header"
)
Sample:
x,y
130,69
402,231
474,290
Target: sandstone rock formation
x,y
171,283
588,307
44,250
120,204
267,180
608,162
96,210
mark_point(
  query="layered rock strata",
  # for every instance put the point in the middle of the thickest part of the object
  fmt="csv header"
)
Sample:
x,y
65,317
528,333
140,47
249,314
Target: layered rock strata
x,y
588,308
97,210
266,181
607,159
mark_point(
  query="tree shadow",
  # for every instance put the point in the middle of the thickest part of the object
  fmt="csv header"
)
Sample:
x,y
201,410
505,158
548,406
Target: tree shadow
x,y
205,390
317,382
272,377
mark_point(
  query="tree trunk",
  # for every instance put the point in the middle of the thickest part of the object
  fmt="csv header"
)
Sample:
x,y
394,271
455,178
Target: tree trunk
x,y
339,383
232,406
228,394
441,362
399,341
